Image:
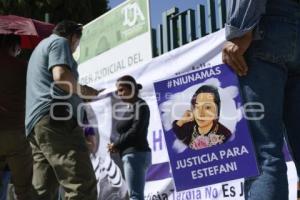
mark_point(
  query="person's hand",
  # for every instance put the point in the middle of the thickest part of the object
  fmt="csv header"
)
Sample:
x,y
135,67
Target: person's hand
x,y
233,53
101,90
187,117
112,148
88,92
91,141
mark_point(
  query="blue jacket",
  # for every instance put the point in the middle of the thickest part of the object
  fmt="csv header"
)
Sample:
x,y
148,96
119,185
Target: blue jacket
x,y
243,16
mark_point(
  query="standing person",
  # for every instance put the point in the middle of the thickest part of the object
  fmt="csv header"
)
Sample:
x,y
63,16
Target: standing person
x,y
132,143
15,151
60,154
263,48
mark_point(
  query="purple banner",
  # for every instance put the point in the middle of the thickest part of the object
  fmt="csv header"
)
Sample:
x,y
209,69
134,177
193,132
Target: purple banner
x,y
205,128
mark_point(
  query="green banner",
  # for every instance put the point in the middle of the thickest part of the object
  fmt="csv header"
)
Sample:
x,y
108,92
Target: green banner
x,y
117,26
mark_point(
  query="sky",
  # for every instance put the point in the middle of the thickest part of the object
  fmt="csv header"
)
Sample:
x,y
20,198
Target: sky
x,y
158,6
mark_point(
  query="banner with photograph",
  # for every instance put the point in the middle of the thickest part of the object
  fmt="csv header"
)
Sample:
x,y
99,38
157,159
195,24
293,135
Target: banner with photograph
x,y
205,128
197,55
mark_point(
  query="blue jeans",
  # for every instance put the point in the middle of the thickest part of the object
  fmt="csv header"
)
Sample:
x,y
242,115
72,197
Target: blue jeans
x,y
5,180
273,80
135,167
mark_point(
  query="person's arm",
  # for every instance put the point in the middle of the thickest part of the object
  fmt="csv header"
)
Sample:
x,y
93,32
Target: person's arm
x,y
183,128
62,75
60,61
187,117
183,132
242,17
140,122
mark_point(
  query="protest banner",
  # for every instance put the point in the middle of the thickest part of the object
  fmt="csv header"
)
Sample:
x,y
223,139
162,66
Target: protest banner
x,y
202,53
205,127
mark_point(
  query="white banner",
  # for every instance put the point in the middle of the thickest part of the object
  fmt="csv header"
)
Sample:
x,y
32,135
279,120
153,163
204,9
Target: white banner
x,y
102,67
202,53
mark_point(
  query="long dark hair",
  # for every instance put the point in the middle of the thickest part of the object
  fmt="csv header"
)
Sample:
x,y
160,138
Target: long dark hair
x,y
208,89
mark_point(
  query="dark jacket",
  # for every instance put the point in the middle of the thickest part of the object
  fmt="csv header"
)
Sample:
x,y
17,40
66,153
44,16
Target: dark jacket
x,y
12,92
133,129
